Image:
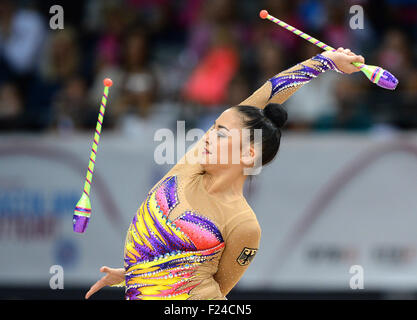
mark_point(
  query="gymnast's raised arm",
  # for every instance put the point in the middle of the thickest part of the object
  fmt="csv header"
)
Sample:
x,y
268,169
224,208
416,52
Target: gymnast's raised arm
x,y
280,87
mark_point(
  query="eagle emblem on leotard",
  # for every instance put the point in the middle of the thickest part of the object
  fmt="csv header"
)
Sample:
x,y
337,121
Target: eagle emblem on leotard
x,y
246,256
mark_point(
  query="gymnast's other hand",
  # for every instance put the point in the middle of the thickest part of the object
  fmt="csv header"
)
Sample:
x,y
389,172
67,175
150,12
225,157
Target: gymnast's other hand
x,y
113,276
343,59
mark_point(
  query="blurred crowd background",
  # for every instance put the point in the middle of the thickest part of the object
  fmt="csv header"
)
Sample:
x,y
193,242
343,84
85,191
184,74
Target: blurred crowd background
x,y
191,59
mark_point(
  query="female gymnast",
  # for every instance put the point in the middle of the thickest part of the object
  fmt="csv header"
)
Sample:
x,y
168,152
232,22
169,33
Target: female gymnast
x,y
194,235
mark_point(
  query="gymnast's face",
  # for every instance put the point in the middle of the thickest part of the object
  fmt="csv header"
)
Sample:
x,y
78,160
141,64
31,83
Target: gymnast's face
x,y
222,145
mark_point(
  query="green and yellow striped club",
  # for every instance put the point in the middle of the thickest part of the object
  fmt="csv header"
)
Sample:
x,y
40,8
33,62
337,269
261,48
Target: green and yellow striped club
x,y
82,210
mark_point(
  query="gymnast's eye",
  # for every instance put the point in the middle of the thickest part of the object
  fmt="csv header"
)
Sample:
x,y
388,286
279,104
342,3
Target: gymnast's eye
x,y
220,134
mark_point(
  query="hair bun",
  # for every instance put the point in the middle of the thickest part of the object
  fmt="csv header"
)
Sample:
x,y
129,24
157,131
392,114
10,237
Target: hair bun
x,y
276,113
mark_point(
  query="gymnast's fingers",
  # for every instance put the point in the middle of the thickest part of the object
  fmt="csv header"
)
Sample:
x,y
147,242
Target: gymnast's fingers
x,y
348,52
95,287
351,68
361,59
110,271
104,269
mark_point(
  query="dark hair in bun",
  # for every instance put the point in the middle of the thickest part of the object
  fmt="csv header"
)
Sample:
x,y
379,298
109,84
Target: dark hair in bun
x,y
277,114
270,119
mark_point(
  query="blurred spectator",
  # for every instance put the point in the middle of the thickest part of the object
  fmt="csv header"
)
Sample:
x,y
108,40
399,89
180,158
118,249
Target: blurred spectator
x,y
61,62
315,99
21,36
22,33
406,111
62,58
218,20
214,58
284,10
108,53
137,80
11,108
394,53
189,12
352,111
154,13
269,61
313,14
209,82
337,31
110,40
70,107
239,90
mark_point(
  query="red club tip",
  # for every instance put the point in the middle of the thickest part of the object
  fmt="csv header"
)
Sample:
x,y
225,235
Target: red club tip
x,y
108,82
263,14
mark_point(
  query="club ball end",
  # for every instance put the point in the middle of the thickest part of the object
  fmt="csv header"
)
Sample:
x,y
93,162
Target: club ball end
x,y
108,82
387,81
79,223
263,14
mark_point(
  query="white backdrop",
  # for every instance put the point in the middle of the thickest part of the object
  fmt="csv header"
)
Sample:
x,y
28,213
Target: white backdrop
x,y
326,203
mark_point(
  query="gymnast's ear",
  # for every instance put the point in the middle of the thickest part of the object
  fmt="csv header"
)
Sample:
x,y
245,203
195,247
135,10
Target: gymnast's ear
x,y
248,155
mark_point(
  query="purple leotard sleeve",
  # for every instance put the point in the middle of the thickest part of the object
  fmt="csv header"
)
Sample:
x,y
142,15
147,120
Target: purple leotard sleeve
x,y
301,74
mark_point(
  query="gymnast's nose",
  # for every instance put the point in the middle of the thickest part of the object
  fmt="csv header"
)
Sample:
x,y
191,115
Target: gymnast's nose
x,y
208,138
208,141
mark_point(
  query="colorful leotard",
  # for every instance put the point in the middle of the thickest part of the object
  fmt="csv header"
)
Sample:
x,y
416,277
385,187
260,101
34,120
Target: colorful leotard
x,y
175,241
183,243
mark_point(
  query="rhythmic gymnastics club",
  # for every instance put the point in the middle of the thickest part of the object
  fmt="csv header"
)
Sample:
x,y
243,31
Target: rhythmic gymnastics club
x,y
375,74
82,210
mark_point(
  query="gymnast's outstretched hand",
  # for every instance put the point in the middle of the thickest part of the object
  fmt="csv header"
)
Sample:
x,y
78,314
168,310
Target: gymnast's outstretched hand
x,y
112,277
343,59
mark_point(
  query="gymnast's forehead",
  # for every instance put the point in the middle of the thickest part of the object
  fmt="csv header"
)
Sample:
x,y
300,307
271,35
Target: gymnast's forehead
x,y
230,118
